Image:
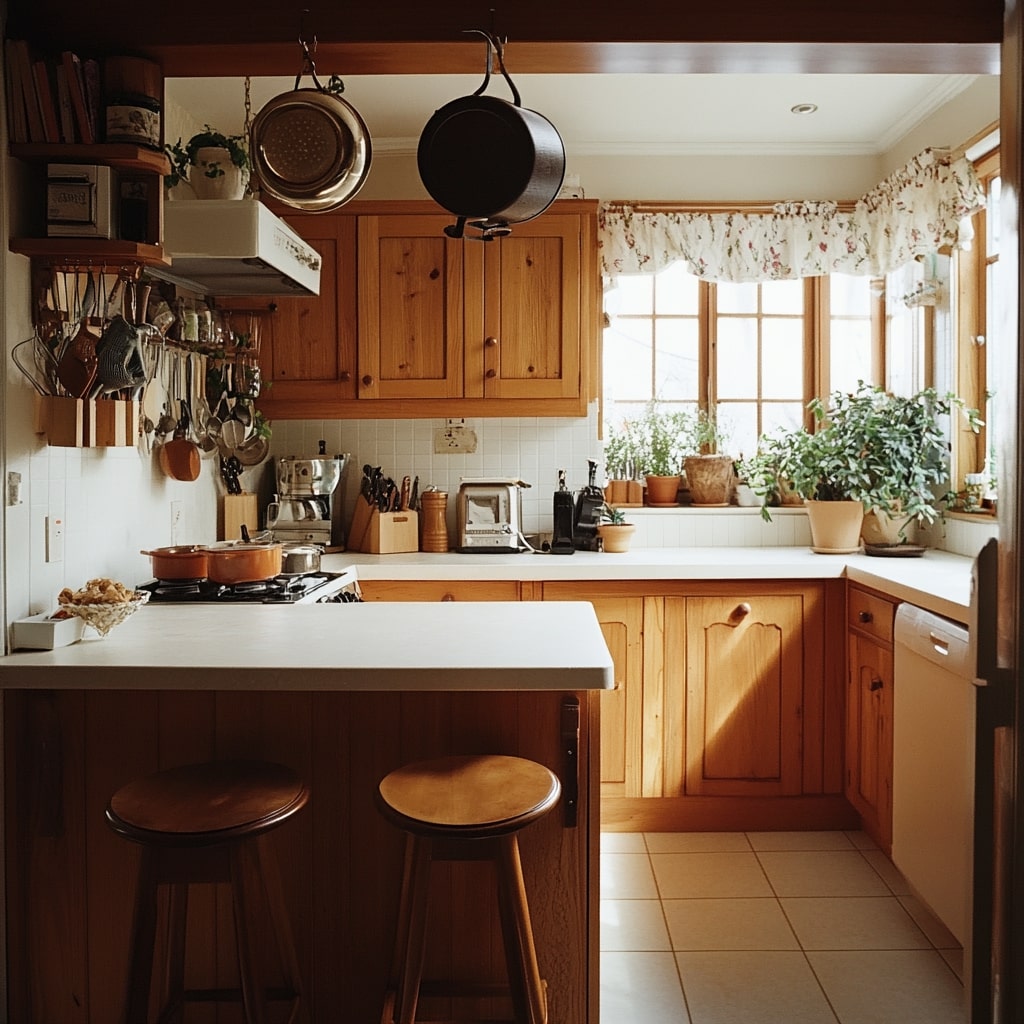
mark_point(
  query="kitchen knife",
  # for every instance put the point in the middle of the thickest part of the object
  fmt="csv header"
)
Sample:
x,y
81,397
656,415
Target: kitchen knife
x,y
406,491
414,497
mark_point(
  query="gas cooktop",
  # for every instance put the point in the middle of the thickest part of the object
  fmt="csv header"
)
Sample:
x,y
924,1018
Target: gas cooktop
x,y
307,588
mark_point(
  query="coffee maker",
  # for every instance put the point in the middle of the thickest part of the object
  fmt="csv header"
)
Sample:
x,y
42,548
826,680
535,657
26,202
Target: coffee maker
x,y
307,502
587,513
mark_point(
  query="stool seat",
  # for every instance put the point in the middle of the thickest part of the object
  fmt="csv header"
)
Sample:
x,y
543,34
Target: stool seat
x,y
207,824
199,804
485,799
468,796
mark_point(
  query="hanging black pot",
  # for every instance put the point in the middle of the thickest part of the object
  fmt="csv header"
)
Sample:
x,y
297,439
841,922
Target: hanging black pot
x,y
490,162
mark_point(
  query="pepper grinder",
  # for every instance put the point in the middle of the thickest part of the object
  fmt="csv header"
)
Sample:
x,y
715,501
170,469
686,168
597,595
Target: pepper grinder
x,y
434,520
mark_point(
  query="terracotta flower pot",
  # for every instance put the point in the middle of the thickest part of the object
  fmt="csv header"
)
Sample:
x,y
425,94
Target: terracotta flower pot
x,y
616,537
662,491
835,526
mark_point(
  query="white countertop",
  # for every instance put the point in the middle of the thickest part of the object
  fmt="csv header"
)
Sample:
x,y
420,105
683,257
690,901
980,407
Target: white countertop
x,y
938,581
372,647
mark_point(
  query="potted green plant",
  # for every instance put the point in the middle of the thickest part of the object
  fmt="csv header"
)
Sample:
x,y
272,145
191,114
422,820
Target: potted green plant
x,y
709,468
877,452
214,164
657,439
615,533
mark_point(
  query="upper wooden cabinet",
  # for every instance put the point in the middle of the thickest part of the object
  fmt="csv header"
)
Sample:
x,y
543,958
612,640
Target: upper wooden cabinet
x,y
413,323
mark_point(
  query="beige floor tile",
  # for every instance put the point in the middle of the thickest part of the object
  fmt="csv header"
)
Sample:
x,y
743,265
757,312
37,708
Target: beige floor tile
x,y
697,842
817,873
890,987
887,871
635,925
623,842
627,876
853,922
861,840
728,924
641,987
709,875
938,934
799,841
752,988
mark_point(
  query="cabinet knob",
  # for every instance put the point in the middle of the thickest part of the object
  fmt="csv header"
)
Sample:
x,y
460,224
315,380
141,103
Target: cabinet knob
x,y
875,684
864,617
448,597
491,342
741,611
491,373
345,376
367,380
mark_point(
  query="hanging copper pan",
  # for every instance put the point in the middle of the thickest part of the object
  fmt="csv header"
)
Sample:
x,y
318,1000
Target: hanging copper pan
x,y
310,149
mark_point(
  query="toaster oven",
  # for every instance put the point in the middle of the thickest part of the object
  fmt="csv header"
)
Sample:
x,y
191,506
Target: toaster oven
x,y
489,515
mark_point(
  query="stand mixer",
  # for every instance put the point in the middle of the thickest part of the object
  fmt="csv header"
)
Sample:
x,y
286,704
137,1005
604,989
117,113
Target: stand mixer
x,y
307,503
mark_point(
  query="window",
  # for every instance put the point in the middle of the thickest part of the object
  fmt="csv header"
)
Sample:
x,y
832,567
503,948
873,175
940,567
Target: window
x,y
758,353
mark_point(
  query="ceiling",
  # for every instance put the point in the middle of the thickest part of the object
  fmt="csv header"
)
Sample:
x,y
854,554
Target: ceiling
x,y
627,113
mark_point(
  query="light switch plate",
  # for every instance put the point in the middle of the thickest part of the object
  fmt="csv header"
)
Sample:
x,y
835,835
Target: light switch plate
x,y
54,539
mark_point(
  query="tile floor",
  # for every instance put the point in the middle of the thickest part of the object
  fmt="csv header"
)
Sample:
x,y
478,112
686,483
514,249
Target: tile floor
x,y
768,928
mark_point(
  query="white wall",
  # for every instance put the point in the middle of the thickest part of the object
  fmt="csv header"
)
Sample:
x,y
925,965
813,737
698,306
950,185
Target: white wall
x,y
116,502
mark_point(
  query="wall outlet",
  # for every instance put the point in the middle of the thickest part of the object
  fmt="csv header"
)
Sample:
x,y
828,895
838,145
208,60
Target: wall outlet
x,y
54,539
177,520
454,438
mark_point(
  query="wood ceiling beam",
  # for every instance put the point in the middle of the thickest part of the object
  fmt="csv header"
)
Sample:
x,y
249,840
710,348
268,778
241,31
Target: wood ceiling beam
x,y
232,37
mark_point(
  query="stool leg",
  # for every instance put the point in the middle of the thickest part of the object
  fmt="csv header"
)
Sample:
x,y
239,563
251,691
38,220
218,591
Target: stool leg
x,y
410,946
281,923
174,976
244,877
529,1000
143,940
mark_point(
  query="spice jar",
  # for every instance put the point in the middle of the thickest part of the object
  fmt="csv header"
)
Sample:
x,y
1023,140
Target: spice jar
x,y
133,87
434,521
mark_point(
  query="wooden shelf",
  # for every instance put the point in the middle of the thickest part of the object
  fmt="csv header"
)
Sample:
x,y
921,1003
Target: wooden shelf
x,y
57,252
125,156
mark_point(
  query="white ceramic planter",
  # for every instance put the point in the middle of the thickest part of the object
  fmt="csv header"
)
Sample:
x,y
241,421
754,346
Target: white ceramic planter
x,y
214,176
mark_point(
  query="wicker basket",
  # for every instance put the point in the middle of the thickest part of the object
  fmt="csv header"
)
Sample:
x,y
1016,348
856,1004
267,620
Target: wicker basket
x,y
104,617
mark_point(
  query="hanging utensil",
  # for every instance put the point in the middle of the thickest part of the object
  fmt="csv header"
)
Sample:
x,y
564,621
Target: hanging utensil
x,y
29,371
77,367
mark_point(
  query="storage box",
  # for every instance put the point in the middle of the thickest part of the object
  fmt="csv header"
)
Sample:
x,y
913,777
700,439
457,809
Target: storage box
x,y
382,533
41,633
80,201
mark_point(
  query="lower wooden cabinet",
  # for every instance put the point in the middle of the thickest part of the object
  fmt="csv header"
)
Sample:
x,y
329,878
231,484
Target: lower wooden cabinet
x,y
727,712
869,697
439,590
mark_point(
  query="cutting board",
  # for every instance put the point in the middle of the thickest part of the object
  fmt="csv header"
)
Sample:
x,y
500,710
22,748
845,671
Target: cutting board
x,y
237,509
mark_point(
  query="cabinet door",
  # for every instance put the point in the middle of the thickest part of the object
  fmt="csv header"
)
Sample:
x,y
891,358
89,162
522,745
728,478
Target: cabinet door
x,y
308,348
869,736
531,341
744,695
411,307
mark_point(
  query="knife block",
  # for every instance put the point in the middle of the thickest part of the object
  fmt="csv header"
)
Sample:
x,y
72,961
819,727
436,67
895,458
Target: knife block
x,y
382,533
237,509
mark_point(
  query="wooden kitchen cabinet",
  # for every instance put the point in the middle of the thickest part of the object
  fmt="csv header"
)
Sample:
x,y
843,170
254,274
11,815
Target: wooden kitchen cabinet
x,y
439,590
430,326
729,713
869,698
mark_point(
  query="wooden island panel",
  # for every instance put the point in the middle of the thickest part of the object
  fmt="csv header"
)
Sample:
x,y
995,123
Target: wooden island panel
x,y
70,879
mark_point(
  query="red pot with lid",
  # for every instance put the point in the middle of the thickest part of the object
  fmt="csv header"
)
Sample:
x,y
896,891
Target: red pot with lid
x,y
181,562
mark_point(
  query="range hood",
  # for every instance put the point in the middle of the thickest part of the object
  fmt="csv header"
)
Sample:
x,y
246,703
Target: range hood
x,y
236,247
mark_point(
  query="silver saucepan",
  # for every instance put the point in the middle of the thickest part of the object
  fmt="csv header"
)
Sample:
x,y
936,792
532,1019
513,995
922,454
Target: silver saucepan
x,y
297,559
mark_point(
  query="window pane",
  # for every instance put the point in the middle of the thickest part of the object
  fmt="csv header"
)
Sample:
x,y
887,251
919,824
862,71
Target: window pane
x,y
737,298
992,220
628,369
782,297
850,354
849,296
778,416
632,293
736,366
675,290
782,358
740,420
675,360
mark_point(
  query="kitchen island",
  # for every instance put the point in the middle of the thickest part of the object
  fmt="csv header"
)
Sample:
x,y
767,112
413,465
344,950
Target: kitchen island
x,y
343,694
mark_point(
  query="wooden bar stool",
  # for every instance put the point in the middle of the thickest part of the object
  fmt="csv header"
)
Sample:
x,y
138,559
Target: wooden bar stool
x,y
204,823
480,803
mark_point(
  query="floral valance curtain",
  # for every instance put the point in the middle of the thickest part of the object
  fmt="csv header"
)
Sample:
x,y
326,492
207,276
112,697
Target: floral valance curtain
x,y
916,211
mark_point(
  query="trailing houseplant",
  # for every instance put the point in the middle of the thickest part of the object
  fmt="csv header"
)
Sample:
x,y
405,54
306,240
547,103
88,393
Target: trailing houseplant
x,y
889,453
207,161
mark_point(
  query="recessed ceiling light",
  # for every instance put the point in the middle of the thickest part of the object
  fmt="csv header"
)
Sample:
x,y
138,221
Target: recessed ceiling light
x,y
804,108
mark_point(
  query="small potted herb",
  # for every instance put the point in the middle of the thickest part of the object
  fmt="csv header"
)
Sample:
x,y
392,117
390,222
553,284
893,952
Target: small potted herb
x,y
615,533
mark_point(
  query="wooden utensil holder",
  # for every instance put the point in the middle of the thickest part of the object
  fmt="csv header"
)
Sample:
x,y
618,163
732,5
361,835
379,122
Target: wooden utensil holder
x,y
87,422
382,533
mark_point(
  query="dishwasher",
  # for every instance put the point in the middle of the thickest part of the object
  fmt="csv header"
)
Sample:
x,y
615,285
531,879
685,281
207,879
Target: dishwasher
x,y
933,764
